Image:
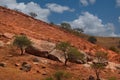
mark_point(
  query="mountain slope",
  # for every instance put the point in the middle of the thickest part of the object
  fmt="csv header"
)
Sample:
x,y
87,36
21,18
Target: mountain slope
x,y
16,23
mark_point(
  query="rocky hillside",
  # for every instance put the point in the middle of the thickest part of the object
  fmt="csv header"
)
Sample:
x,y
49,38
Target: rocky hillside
x,y
44,36
17,22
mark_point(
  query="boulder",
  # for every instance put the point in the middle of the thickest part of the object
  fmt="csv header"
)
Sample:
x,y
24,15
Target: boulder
x,y
45,49
91,78
17,64
56,55
35,60
43,45
40,48
2,64
25,67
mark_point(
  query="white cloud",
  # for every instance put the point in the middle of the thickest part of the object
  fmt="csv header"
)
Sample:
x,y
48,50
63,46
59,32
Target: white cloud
x,y
58,8
92,25
119,19
118,3
87,2
27,8
92,1
84,2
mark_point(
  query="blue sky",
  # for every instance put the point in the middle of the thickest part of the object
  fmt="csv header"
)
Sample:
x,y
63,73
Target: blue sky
x,y
96,17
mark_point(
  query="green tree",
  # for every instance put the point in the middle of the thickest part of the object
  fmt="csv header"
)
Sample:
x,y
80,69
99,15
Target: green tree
x,y
21,42
70,53
97,68
79,30
92,39
66,25
100,64
33,14
101,56
64,47
74,54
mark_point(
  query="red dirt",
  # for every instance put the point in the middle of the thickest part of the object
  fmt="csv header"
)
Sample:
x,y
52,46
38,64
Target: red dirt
x,y
16,22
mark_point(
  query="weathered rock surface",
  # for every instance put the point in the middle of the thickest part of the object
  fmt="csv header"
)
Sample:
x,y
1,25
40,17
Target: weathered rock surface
x,y
25,67
56,55
8,35
2,64
1,44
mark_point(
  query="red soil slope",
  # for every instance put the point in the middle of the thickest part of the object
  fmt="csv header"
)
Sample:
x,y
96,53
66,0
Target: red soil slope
x,y
16,22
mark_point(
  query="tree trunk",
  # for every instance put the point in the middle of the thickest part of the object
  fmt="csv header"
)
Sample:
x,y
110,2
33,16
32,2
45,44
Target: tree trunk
x,y
66,62
22,51
97,75
66,58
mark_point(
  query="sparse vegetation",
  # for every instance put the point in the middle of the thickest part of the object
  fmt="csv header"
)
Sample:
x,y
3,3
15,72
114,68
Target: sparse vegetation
x,y
64,46
92,39
74,54
70,53
21,42
101,56
99,65
49,78
66,25
112,78
115,49
79,30
61,75
33,14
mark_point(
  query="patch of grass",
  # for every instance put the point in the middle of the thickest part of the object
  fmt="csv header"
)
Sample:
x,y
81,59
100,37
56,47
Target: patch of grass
x,y
112,78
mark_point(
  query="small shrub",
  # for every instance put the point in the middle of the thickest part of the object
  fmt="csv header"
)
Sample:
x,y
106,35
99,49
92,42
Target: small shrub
x,y
21,41
49,78
112,78
61,75
114,49
92,39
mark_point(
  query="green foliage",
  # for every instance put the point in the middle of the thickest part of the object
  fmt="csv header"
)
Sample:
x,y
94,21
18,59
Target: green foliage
x,y
21,42
63,46
101,56
98,66
66,25
114,49
92,39
74,54
49,78
61,75
33,14
112,78
70,53
79,30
